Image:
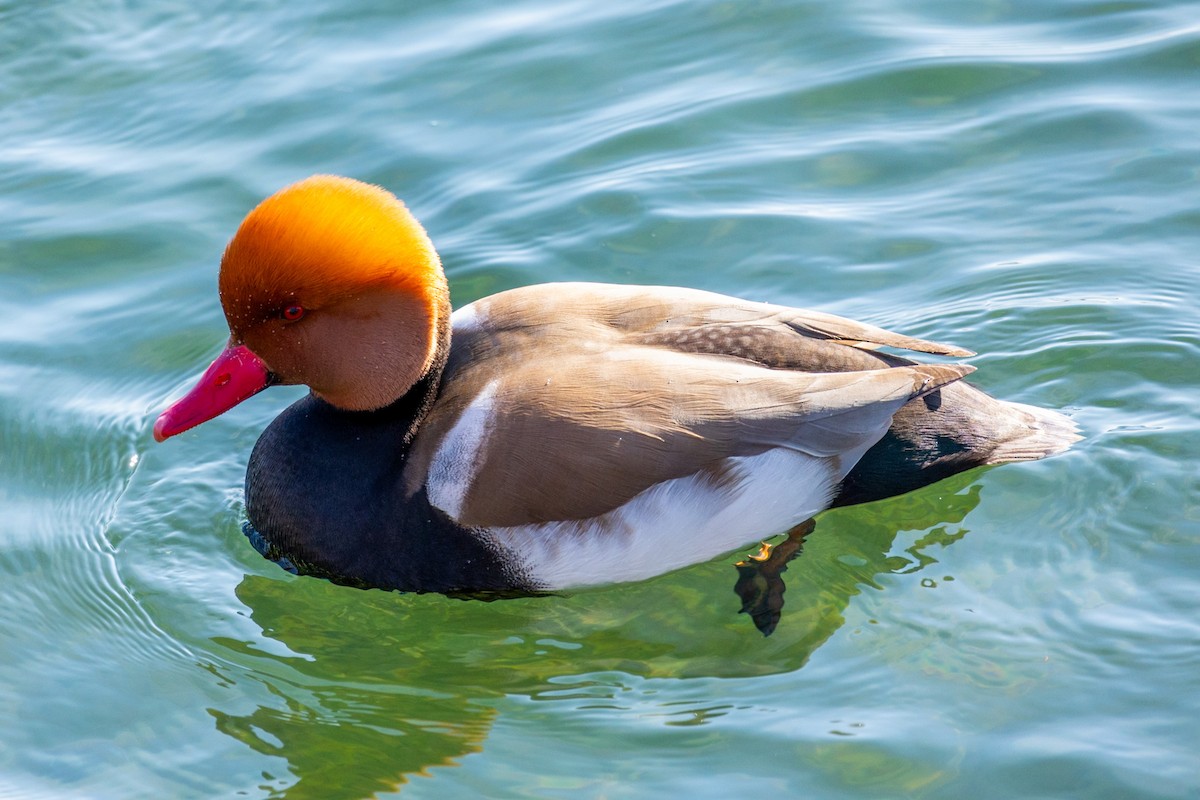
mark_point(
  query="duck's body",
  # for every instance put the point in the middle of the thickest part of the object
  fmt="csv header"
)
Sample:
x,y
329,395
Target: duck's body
x,y
559,435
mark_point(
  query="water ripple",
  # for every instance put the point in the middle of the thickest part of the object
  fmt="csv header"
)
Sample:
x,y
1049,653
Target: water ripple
x,y
1017,178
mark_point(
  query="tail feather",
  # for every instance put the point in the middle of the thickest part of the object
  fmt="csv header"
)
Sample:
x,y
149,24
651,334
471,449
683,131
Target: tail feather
x,y
1038,433
950,430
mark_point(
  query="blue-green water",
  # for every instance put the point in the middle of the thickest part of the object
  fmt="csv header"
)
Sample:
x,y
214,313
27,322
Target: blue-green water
x,y
1021,178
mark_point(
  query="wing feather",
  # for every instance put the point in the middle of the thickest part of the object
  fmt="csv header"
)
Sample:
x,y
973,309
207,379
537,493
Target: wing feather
x,y
595,393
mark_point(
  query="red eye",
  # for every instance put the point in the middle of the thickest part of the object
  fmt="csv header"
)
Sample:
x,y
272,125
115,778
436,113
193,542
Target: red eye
x,y
293,313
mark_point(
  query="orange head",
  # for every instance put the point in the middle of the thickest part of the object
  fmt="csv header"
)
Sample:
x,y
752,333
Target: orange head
x,y
329,282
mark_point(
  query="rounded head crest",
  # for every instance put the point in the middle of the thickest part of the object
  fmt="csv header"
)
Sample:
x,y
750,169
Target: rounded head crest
x,y
318,242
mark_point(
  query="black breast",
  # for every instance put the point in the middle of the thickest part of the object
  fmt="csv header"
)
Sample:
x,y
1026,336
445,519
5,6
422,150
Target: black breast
x,y
324,489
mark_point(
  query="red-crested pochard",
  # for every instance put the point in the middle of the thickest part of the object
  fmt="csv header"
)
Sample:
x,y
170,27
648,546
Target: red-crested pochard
x,y
560,435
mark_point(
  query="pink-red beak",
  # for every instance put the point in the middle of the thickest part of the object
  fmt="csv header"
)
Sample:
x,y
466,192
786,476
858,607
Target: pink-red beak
x,y
236,375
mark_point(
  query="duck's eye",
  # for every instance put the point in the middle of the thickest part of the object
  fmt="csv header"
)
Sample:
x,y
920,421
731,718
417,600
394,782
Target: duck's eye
x,y
292,313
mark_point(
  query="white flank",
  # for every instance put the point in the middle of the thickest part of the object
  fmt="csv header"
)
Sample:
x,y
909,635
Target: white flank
x,y
674,524
453,467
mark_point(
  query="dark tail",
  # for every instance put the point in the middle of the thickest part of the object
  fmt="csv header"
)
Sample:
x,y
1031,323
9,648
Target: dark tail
x,y
951,430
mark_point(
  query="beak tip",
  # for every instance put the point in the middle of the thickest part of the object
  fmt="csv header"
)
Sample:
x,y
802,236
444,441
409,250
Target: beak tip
x,y
236,375
160,431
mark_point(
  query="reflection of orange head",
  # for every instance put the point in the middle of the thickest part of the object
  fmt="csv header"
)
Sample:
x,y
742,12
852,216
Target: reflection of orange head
x,y
319,242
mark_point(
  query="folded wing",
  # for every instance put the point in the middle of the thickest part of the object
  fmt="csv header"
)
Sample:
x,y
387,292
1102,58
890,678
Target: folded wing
x,y
520,434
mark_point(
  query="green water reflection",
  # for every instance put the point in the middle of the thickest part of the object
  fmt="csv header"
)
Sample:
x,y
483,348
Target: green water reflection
x,y
365,696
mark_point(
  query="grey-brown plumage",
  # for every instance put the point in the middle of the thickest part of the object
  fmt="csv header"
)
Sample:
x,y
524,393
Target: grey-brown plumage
x,y
633,386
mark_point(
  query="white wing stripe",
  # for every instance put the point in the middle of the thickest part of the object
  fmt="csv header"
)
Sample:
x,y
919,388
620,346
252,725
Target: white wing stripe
x,y
453,468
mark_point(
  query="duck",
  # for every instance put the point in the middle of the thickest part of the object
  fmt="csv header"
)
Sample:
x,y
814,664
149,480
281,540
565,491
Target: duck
x,y
555,436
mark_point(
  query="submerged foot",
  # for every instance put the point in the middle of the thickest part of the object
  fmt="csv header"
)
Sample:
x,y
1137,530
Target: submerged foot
x,y
760,578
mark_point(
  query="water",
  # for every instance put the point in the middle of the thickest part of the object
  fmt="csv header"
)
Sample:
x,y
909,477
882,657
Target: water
x,y
1019,178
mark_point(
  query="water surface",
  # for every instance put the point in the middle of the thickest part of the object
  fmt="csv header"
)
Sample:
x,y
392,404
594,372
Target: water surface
x,y
1019,178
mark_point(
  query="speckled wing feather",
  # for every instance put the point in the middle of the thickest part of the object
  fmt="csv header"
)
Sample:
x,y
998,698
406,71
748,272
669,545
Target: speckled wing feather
x,y
687,317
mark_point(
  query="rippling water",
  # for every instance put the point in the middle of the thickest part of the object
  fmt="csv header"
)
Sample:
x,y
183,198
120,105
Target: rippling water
x,y
1019,178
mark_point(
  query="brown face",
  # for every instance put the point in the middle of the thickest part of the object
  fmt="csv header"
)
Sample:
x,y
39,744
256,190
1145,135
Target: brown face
x,y
360,353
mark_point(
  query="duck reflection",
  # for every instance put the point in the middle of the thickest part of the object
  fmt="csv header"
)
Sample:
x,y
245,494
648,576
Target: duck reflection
x,y
371,688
